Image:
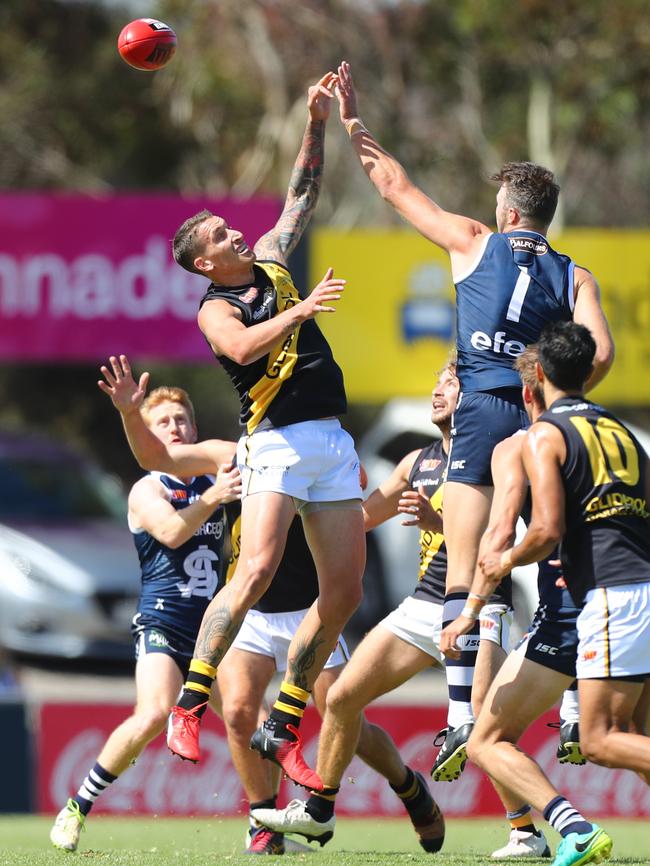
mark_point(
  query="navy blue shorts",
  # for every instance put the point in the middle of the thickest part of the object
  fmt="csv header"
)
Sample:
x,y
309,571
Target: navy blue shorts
x,y
155,638
482,419
552,639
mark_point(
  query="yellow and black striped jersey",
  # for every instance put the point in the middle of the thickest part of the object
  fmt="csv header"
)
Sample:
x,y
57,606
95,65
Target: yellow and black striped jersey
x,y
299,379
429,472
607,538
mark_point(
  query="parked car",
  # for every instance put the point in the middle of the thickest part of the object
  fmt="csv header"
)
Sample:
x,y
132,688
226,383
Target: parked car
x,y
391,574
69,575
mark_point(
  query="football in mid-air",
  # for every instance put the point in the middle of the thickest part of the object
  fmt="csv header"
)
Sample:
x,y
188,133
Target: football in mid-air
x,y
147,44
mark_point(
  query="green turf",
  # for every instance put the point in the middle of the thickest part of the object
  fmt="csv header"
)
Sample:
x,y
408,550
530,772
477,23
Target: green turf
x,y
203,842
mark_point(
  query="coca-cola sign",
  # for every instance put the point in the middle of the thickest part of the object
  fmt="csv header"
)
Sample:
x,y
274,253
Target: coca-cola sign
x,y
82,277
71,736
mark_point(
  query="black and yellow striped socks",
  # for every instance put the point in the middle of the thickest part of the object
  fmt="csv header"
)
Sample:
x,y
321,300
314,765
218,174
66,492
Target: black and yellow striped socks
x,y
198,686
289,708
412,794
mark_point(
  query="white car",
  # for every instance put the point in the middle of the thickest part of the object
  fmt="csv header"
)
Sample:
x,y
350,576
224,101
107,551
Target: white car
x,y
402,426
69,573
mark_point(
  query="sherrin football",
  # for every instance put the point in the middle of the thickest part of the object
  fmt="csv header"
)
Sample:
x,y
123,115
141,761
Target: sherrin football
x,y
147,44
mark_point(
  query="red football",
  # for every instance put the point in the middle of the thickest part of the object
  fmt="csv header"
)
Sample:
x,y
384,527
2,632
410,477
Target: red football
x,y
147,44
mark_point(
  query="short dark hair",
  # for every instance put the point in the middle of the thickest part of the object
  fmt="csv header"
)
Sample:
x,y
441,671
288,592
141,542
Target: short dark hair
x,y
184,245
525,365
566,352
531,189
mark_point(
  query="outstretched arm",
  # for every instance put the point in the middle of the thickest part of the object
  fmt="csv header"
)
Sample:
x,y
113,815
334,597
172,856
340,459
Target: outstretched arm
x,y
304,186
589,312
150,509
383,502
200,458
456,234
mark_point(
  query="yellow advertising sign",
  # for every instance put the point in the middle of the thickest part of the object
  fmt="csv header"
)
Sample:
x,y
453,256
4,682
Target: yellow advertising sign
x,y
393,328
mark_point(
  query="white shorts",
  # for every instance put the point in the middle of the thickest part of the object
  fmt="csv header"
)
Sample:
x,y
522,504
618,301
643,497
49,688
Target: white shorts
x,y
313,461
269,634
419,623
614,632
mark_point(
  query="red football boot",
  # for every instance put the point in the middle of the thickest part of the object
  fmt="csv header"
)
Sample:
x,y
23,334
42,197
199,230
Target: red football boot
x,y
286,754
183,733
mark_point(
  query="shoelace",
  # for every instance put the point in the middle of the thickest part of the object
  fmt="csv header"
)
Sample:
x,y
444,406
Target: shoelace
x,y
189,716
437,741
75,814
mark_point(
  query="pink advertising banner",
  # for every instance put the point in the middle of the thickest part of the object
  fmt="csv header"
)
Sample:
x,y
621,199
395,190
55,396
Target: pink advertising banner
x,y
71,735
84,277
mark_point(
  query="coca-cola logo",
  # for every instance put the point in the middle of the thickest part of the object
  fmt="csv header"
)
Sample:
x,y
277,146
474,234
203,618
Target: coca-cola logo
x,y
161,784
157,782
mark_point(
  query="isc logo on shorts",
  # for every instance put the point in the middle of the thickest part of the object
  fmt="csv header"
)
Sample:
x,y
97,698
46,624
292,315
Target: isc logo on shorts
x,y
589,655
457,464
546,648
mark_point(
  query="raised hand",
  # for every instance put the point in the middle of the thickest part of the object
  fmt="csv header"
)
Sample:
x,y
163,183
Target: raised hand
x,y
319,97
329,289
345,93
127,394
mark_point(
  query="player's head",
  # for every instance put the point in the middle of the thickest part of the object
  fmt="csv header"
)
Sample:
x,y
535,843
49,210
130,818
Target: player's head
x,y
205,244
566,356
169,414
526,366
445,396
527,196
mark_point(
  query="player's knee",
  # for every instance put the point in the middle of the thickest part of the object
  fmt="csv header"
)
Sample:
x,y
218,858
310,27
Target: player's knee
x,y
240,717
151,722
341,699
475,750
252,582
593,746
339,601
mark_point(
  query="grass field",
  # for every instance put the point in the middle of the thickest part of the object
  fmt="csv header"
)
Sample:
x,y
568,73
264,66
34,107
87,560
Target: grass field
x,y
197,842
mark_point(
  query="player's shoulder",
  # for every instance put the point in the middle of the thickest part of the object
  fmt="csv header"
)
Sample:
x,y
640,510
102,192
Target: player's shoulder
x,y
150,484
508,451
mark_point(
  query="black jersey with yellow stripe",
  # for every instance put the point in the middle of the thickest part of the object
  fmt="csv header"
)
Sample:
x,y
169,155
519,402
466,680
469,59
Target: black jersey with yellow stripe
x,y
606,541
295,584
429,472
298,380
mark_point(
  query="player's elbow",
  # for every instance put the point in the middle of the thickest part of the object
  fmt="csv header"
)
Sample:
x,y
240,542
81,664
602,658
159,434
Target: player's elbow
x,y
171,538
604,357
548,535
393,185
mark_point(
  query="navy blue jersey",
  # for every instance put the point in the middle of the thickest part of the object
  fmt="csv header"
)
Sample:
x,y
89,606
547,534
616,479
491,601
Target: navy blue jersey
x,y
550,595
178,584
519,284
606,541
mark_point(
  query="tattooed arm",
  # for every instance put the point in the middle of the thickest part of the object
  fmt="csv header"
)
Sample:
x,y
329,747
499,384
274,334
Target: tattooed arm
x,y
304,186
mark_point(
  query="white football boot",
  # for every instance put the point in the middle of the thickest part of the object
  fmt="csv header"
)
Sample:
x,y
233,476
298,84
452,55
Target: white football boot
x,y
523,844
67,827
